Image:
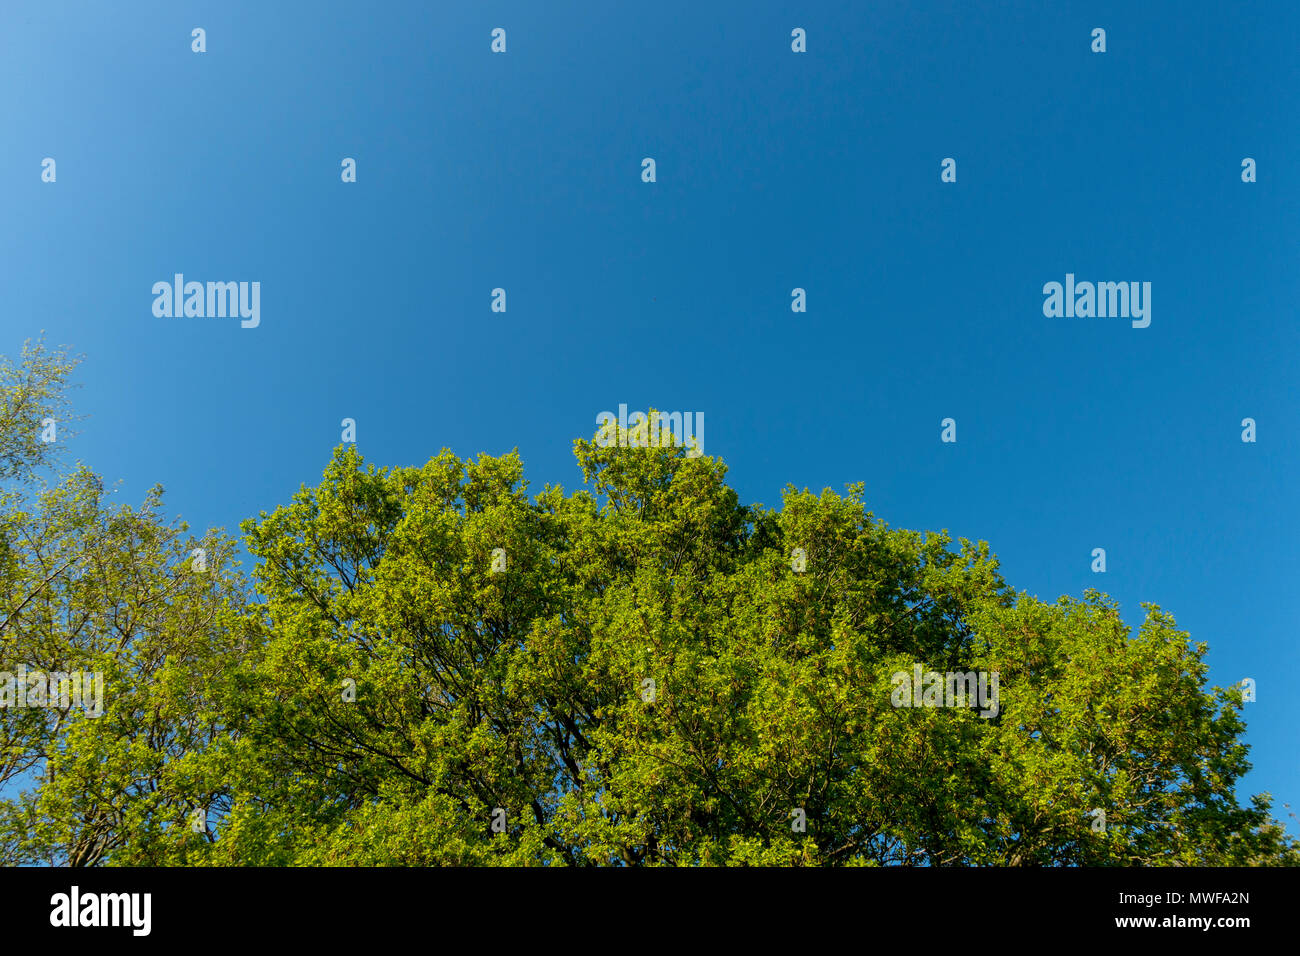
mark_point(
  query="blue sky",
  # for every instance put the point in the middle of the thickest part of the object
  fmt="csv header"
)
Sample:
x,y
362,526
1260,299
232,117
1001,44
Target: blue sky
x,y
775,170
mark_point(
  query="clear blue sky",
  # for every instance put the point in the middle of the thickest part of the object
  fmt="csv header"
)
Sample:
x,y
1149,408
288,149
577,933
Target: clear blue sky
x,y
775,170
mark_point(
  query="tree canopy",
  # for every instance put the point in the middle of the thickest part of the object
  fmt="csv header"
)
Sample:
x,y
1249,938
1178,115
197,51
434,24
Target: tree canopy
x,y
430,665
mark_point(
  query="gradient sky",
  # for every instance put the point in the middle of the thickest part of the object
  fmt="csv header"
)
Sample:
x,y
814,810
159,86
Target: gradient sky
x,y
775,170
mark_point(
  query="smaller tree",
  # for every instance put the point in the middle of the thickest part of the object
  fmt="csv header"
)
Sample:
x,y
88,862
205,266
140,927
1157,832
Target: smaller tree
x,y
33,392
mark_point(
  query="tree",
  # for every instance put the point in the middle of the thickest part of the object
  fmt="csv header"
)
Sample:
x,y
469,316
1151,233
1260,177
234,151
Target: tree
x,y
431,666
127,604
33,392
109,771
443,670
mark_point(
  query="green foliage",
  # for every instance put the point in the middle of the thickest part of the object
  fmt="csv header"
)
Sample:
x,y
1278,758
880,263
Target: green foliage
x,y
649,681
32,391
88,586
111,590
